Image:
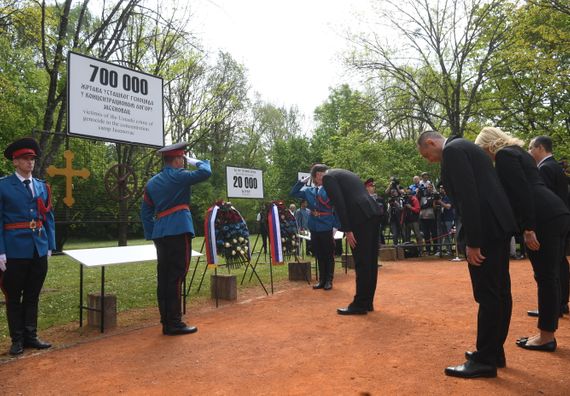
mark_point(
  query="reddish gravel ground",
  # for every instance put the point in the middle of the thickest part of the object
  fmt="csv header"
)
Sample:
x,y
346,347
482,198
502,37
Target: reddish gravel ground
x,y
294,343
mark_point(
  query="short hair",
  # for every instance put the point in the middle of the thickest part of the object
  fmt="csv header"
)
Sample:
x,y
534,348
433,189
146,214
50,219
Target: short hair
x,y
429,135
318,168
495,139
544,141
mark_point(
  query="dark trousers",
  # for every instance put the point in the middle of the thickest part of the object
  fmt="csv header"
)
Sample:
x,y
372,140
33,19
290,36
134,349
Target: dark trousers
x,y
546,265
396,230
323,248
21,283
492,290
366,262
173,258
564,276
429,229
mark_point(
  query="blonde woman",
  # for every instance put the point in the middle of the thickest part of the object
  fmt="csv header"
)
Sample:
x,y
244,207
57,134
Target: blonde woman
x,y
544,220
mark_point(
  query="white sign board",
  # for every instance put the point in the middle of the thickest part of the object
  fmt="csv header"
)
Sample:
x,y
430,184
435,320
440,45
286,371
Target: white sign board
x,y
244,182
113,103
302,175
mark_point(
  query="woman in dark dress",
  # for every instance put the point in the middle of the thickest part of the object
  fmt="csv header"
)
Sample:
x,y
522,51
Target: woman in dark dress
x,y
544,220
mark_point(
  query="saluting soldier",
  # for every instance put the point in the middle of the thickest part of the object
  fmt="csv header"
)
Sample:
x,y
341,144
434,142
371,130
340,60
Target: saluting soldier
x,y
321,223
27,238
167,221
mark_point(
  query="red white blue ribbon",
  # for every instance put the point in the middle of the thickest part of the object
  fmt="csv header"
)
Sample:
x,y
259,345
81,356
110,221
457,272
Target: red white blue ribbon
x,y
274,226
210,235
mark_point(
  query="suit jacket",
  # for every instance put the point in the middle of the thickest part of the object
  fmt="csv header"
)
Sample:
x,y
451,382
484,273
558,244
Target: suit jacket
x,y
169,188
473,185
17,206
532,202
352,203
555,178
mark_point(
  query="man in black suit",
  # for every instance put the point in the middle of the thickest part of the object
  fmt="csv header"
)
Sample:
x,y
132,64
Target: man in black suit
x,y
487,225
555,179
359,216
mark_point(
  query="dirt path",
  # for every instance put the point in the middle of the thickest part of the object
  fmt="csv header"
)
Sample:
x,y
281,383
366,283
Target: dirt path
x,y
294,343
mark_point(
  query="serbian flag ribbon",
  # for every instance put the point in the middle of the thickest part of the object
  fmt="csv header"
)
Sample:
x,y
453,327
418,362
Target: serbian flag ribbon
x,y
274,226
210,236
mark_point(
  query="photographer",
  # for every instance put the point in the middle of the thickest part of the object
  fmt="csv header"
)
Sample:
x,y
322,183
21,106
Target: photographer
x,y
395,215
394,185
446,219
411,218
428,223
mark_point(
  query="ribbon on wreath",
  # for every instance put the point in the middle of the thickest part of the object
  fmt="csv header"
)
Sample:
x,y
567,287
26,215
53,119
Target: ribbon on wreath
x,y
274,226
210,235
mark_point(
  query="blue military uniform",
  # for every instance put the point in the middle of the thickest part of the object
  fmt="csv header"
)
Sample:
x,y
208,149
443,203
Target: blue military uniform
x,y
27,236
167,220
321,223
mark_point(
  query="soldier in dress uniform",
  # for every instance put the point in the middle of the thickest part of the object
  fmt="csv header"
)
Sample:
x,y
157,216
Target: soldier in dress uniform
x,y
321,223
27,238
167,221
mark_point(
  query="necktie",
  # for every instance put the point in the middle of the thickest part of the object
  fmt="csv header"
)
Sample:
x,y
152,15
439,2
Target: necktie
x,y
27,184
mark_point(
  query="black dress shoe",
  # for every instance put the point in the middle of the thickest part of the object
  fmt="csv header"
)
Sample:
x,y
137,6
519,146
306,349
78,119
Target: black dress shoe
x,y
351,311
17,348
179,329
565,309
36,343
501,361
318,285
533,313
370,308
471,369
327,286
548,347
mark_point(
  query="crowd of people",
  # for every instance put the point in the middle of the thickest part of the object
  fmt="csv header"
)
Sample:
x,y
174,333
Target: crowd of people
x,y
489,190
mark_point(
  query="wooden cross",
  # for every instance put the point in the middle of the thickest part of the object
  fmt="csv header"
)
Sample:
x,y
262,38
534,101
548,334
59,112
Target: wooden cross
x,y
69,173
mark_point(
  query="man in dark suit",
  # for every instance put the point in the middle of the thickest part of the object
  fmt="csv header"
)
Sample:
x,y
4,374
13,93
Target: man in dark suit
x,y
487,225
555,179
359,216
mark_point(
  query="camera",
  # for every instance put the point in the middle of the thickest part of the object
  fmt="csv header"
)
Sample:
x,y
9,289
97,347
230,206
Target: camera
x,y
436,196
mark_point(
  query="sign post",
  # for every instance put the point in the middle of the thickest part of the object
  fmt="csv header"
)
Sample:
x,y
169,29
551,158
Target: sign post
x,y
244,182
112,103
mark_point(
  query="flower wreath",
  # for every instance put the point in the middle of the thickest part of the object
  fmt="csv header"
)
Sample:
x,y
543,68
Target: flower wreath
x,y
282,232
226,235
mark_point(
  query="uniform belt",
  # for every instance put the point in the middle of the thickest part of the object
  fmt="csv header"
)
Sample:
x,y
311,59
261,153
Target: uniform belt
x,y
316,213
169,211
32,225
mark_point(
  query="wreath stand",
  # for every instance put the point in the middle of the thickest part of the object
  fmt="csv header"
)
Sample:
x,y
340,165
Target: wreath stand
x,y
247,264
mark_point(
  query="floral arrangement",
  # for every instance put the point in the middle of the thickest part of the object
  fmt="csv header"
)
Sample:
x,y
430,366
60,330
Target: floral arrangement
x,y
288,227
232,235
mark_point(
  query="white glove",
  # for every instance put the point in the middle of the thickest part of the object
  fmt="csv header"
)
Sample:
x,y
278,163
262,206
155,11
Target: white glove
x,y
190,160
3,262
49,253
306,180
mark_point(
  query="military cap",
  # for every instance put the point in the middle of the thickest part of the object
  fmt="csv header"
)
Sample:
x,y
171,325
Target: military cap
x,y
174,150
22,147
369,182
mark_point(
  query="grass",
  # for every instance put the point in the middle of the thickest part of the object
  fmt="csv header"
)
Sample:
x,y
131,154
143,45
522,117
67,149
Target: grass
x,y
134,284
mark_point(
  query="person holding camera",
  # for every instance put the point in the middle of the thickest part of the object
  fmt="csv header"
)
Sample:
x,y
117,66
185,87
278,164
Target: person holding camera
x,y
428,223
446,219
395,212
411,219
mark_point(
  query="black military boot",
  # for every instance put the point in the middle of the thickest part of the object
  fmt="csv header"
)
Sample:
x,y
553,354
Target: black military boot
x,y
31,339
174,324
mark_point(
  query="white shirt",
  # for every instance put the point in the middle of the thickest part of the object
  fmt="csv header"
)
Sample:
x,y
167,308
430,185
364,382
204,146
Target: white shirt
x,y
544,159
21,178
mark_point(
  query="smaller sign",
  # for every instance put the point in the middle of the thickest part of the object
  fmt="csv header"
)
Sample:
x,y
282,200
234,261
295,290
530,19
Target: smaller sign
x,y
302,175
244,182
